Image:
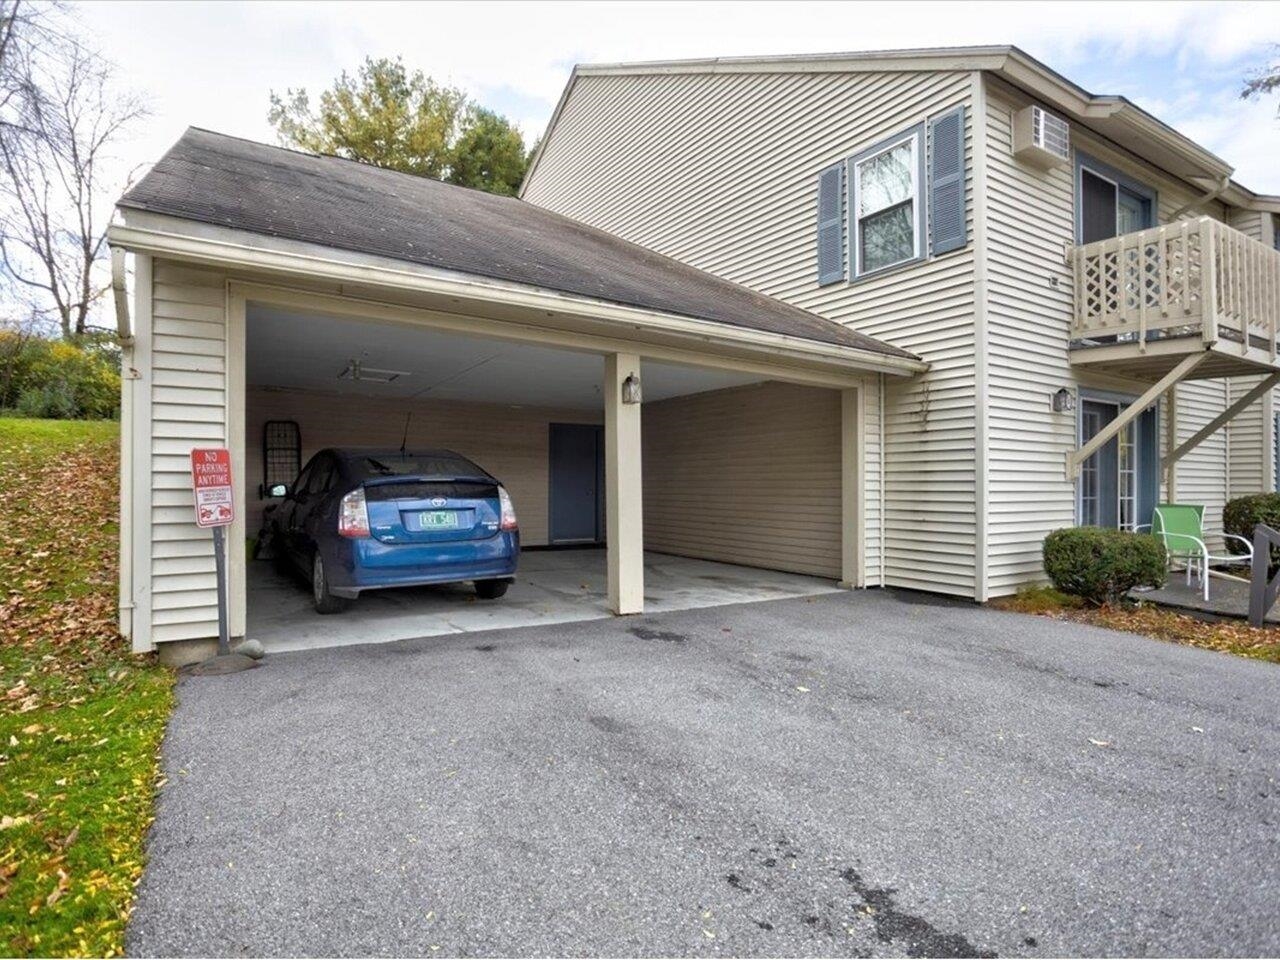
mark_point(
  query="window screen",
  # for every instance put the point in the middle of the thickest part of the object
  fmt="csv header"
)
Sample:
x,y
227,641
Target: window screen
x,y
281,453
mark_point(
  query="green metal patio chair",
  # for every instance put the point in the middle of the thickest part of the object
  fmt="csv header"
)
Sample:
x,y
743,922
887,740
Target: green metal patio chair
x,y
1181,528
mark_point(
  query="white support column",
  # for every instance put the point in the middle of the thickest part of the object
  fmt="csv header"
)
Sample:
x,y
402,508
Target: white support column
x,y
623,490
853,470
237,567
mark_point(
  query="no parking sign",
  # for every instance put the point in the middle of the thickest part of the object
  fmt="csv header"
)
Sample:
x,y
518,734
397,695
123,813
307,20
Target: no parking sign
x,y
211,480
215,507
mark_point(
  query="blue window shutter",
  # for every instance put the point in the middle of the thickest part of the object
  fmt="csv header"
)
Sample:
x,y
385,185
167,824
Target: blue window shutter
x,y
831,224
946,182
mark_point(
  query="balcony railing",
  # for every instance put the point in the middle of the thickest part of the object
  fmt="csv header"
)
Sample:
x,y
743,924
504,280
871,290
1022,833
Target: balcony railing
x,y
1192,277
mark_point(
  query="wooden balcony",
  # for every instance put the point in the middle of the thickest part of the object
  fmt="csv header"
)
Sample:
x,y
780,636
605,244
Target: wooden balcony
x,y
1146,301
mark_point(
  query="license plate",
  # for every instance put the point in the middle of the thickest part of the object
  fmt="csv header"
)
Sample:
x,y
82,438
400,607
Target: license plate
x,y
438,519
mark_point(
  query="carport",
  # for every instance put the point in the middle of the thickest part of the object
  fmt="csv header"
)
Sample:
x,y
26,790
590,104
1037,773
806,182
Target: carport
x,y
370,307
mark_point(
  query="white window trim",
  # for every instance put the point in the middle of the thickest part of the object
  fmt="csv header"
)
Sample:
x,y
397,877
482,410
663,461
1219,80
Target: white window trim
x,y
915,137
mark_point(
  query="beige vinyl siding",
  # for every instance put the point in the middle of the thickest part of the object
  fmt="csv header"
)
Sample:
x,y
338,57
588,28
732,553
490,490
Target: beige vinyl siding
x,y
1202,475
1258,224
1248,445
748,475
1251,434
720,171
512,443
1031,220
188,409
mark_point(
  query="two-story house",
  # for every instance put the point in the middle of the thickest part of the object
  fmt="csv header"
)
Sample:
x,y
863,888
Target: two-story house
x,y
864,319
1096,297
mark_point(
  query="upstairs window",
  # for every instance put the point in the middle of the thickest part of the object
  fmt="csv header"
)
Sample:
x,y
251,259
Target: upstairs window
x,y
1109,204
906,200
888,226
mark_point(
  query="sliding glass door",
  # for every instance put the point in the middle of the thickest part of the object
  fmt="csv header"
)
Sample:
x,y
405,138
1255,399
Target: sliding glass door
x,y
1119,484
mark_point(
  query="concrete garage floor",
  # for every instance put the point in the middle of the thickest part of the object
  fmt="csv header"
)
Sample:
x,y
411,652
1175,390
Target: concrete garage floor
x,y
553,586
851,774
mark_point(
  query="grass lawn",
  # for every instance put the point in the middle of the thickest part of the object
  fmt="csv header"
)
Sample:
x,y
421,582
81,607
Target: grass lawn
x,y
81,718
1257,643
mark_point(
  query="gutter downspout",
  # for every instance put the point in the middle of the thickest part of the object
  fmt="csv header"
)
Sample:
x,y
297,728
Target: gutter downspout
x,y
1199,202
128,377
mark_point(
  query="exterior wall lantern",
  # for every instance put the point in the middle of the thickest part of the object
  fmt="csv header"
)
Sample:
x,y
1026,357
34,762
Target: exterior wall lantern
x,y
1064,401
631,389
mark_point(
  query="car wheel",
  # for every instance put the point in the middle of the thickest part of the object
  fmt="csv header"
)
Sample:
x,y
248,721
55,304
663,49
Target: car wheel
x,y
491,589
325,601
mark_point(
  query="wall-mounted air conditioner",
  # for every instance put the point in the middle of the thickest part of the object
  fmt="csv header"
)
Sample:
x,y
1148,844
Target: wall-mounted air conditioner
x,y
1040,138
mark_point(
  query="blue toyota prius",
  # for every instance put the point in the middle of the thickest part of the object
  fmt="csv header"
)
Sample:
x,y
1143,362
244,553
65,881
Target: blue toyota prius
x,y
358,520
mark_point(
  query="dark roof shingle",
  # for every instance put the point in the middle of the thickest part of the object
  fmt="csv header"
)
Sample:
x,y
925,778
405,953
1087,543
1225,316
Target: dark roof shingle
x,y
218,179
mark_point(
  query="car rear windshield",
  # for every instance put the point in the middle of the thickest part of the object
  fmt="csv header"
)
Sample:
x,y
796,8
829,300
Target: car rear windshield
x,y
410,465
427,489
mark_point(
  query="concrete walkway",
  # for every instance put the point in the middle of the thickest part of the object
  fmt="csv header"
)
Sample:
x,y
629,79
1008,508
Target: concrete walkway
x,y
838,775
553,586
1227,598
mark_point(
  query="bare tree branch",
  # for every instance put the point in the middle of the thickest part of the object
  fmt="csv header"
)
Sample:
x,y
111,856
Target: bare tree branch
x,y
60,117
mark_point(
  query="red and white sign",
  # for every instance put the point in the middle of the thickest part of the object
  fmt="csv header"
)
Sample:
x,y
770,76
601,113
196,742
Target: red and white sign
x,y
211,480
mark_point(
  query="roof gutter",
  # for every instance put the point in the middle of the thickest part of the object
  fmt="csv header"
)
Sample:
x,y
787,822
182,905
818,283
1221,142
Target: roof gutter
x,y
256,252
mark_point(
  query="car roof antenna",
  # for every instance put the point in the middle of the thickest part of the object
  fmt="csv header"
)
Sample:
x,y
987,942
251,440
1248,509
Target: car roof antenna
x,y
405,439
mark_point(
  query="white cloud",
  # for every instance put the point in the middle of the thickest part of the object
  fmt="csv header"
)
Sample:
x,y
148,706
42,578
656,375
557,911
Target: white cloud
x,y
213,64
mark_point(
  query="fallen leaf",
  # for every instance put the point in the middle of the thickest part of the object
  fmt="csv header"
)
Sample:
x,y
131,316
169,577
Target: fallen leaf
x,y
7,822
803,689
64,884
1100,743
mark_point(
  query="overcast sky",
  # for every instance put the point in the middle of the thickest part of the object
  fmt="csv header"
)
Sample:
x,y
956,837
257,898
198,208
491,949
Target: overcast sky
x,y
214,64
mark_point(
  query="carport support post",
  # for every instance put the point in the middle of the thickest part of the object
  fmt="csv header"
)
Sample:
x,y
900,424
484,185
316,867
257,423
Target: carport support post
x,y
852,485
624,518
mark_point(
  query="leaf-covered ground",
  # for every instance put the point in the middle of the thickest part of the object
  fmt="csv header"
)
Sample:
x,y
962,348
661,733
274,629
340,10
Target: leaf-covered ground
x,y
81,718
1232,636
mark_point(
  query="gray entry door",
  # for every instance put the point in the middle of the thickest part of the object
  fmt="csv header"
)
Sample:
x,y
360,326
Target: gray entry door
x,y
577,483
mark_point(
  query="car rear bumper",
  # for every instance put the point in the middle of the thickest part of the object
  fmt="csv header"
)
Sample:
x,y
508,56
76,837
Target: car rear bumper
x,y
369,564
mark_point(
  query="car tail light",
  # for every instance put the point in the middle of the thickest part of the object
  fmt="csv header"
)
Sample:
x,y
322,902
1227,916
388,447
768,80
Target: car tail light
x,y
353,515
508,510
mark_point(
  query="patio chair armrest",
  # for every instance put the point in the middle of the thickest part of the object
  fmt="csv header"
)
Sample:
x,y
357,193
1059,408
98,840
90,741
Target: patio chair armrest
x,y
1248,544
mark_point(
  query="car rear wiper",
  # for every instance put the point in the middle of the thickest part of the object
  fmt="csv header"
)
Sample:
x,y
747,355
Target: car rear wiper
x,y
379,466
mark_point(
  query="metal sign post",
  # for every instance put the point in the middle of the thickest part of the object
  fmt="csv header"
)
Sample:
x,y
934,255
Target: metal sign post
x,y
220,565
215,507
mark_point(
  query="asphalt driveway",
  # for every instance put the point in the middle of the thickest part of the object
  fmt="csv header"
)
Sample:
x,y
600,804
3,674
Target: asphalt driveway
x,y
847,774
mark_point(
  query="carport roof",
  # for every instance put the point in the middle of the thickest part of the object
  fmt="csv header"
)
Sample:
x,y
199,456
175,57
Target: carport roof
x,y
229,182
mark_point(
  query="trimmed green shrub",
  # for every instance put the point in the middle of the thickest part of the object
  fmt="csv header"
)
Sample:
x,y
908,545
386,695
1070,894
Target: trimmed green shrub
x,y
1101,565
1242,514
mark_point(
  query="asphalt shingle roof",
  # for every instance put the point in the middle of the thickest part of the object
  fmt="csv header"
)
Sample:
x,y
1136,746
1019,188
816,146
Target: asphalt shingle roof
x,y
217,179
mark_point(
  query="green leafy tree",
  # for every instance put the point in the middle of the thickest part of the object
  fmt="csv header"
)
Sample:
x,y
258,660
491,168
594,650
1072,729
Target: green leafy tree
x,y
391,117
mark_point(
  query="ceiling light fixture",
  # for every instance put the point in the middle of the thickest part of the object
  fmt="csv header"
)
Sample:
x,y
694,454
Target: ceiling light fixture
x,y
355,370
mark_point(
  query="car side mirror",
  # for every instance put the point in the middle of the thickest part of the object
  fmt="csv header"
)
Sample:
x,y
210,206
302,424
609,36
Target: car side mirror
x,y
278,490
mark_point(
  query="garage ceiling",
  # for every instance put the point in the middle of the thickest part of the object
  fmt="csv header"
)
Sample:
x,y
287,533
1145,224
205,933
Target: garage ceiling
x,y
310,352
